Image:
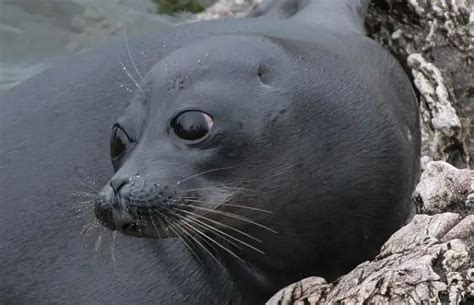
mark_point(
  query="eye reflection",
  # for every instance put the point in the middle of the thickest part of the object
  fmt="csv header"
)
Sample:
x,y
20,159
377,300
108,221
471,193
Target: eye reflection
x,y
192,125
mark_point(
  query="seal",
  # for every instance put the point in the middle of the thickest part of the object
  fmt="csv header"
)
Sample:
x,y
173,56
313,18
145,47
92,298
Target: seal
x,y
252,153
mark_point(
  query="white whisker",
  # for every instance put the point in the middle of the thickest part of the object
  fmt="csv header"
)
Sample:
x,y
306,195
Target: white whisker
x,y
230,205
130,55
202,173
112,250
230,215
221,224
203,224
130,76
213,241
201,245
188,246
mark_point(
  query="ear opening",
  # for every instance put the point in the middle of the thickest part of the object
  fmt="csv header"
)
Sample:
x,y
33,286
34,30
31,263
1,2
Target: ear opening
x,y
264,74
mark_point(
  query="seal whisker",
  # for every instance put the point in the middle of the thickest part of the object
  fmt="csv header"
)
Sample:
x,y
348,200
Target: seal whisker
x,y
201,173
112,250
165,228
91,188
97,246
130,55
231,215
124,68
87,201
230,205
84,211
246,207
154,224
205,225
218,232
222,224
152,221
198,243
98,241
188,246
222,187
228,235
84,194
91,185
86,205
88,227
213,241
88,217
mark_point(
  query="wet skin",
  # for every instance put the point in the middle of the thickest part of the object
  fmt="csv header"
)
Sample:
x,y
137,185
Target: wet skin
x,y
316,128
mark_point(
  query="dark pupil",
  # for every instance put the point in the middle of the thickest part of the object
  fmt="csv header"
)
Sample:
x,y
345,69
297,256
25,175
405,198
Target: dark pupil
x,y
118,143
191,125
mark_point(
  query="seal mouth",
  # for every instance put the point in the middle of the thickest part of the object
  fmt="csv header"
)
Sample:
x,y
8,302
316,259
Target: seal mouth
x,y
132,228
151,214
148,230
153,226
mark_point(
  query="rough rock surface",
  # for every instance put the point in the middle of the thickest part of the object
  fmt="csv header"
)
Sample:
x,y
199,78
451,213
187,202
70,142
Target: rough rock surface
x,y
433,40
443,188
235,8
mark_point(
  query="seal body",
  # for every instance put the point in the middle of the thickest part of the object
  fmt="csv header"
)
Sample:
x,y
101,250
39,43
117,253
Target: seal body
x,y
250,154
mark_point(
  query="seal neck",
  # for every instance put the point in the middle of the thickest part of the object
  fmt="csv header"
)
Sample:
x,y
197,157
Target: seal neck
x,y
343,14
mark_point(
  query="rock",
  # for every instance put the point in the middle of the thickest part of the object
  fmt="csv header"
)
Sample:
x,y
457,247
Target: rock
x,y
442,186
433,40
226,8
312,288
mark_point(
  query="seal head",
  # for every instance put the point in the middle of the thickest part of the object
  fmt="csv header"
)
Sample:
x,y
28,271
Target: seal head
x,y
272,144
194,138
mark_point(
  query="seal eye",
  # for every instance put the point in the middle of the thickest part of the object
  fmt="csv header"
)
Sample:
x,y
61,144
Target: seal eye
x,y
192,125
118,143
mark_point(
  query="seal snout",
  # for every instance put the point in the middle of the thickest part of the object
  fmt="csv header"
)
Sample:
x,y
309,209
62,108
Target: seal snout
x,y
118,183
104,212
132,207
113,218
107,207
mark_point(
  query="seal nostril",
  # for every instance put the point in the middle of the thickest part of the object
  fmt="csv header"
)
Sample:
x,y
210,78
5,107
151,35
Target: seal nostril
x,y
118,183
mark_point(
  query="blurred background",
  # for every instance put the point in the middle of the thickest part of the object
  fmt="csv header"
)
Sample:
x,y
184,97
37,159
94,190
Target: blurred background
x,y
35,33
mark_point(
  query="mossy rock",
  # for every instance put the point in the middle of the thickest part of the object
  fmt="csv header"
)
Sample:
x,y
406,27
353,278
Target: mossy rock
x,y
171,7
